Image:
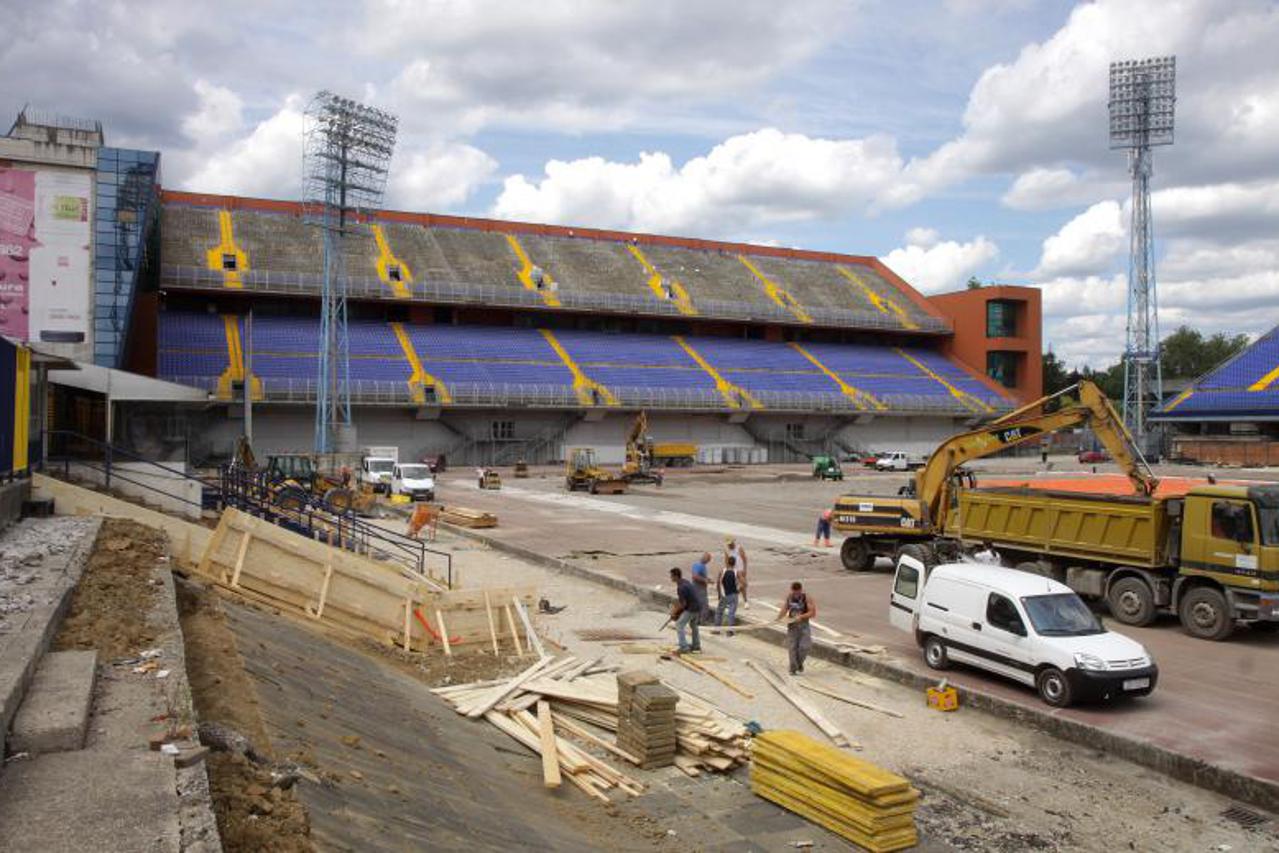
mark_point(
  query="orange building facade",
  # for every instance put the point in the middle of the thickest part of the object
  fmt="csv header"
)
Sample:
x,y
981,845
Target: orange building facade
x,y
999,334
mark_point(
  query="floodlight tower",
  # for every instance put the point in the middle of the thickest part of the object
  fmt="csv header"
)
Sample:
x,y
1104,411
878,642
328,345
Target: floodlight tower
x,y
346,157
1142,101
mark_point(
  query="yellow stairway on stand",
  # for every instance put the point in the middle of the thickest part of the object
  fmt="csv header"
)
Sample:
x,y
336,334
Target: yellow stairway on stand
x,y
227,247
420,380
656,280
884,304
589,392
734,395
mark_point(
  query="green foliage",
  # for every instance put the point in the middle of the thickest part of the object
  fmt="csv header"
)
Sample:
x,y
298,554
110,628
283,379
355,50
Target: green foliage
x,y
974,283
1188,354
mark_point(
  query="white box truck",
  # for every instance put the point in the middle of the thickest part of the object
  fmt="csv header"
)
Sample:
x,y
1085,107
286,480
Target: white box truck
x,y
377,466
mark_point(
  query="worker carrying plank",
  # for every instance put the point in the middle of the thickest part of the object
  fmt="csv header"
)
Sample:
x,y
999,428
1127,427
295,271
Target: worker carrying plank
x,y
686,611
799,608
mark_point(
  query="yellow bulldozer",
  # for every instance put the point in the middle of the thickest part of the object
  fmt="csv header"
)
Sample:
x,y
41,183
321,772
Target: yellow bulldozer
x,y
295,481
582,472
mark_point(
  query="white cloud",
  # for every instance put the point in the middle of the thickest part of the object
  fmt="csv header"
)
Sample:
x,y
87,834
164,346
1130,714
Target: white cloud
x,y
1227,210
218,114
1051,188
268,161
745,181
940,266
575,64
1085,245
442,175
923,237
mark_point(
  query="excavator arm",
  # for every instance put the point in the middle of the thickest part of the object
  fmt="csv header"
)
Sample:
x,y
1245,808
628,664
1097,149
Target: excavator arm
x,y
933,482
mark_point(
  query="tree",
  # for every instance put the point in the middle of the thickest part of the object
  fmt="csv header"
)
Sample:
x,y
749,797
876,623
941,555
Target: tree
x,y
974,283
1056,376
1186,354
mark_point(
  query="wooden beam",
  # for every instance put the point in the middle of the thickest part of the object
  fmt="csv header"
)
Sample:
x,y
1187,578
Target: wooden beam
x,y
577,731
444,632
408,623
239,558
550,755
791,694
515,634
488,611
706,670
497,694
826,691
534,643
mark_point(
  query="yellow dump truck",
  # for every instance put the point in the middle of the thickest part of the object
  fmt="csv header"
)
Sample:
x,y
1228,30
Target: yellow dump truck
x,y
674,454
1210,555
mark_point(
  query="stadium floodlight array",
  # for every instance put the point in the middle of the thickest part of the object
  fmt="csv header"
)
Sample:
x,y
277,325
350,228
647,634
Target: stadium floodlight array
x,y
1143,98
347,155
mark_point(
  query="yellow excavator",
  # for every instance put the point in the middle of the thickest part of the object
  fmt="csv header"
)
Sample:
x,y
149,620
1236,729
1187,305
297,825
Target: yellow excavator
x,y
912,522
639,467
294,481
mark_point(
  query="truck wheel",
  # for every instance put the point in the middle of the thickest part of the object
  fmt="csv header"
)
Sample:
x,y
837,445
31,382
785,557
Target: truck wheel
x,y
1205,614
291,498
920,552
935,654
1054,687
338,500
856,556
1131,602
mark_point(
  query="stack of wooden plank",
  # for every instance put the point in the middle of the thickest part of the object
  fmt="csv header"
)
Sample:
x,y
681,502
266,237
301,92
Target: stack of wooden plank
x,y
582,701
851,797
646,719
461,516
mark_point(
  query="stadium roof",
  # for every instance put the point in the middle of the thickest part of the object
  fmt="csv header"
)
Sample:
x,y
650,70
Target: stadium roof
x,y
1243,388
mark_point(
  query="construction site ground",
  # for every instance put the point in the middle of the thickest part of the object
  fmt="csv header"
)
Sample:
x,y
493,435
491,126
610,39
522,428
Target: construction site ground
x,y
1216,702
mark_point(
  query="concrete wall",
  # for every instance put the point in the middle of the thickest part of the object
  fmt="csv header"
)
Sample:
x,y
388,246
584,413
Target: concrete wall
x,y
167,492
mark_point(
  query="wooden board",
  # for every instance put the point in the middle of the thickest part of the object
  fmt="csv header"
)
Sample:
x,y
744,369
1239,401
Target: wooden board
x,y
550,755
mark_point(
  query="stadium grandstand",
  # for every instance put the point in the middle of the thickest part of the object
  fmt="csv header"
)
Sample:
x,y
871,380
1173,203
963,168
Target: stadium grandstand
x,y
1230,415
485,340
491,341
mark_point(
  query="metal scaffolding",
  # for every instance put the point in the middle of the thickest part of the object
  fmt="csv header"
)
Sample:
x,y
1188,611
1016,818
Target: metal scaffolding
x,y
1142,102
347,155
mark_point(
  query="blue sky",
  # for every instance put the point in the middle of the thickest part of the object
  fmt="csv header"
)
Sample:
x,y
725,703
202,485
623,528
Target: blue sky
x,y
950,138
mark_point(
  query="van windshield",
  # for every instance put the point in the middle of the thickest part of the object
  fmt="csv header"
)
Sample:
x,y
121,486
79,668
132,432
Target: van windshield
x,y
1061,615
414,472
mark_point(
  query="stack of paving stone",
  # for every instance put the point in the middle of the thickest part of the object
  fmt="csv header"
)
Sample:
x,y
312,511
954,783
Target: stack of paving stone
x,y
868,805
646,719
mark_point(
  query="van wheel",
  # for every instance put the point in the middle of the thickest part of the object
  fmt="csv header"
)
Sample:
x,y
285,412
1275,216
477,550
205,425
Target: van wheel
x,y
1131,602
1054,688
935,654
856,556
1205,614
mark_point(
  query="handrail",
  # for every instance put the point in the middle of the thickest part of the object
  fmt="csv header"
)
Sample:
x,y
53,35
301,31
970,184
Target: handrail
x,y
475,293
108,469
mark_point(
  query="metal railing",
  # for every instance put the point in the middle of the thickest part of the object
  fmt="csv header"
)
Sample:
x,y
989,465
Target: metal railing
x,y
504,296
68,448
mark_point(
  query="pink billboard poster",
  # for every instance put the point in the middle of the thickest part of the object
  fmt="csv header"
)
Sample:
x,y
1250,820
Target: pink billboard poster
x,y
17,237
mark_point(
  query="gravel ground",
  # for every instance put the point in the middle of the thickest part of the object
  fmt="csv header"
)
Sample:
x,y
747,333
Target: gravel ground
x,y
24,548
988,784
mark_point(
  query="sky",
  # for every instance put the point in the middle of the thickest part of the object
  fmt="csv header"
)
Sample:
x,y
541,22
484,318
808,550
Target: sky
x,y
952,138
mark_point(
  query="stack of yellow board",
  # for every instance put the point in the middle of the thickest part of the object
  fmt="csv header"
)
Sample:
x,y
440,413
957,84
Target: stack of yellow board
x,y
865,804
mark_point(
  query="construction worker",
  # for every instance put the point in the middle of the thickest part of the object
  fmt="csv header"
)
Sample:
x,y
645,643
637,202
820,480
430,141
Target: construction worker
x,y
425,517
798,609
728,587
686,612
823,528
738,553
702,586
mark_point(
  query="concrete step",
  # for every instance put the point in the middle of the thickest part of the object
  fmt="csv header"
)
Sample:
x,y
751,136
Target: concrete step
x,y
54,716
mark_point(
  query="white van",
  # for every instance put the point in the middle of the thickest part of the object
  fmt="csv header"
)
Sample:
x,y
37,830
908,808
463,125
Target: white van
x,y
899,460
415,480
1020,625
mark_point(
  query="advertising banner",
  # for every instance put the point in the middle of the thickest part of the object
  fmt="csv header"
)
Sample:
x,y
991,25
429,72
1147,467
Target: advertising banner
x,y
44,255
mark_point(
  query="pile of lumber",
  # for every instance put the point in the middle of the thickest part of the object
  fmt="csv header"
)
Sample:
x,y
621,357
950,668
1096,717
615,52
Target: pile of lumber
x,y
582,703
646,718
866,804
460,516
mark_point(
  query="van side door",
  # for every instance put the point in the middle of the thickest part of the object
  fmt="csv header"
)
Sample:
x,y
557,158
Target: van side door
x,y
908,587
1006,641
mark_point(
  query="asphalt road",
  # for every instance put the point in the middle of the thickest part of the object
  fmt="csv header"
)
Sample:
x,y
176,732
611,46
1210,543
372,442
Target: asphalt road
x,y
1218,702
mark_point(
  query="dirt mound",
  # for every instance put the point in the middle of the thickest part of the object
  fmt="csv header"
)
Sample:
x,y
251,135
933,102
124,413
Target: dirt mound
x,y
110,605
252,814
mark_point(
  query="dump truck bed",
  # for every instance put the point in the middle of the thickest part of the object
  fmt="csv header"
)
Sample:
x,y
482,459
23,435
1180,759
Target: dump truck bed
x,y
1122,529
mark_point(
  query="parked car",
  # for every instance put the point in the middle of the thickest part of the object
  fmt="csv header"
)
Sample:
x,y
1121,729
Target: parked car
x,y
415,480
899,460
1020,625
1090,456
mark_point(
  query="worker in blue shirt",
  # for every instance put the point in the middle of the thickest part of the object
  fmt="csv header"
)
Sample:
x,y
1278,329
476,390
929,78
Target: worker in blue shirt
x,y
702,586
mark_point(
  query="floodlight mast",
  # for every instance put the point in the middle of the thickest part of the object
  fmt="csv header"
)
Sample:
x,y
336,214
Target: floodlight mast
x,y
347,154
1142,108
